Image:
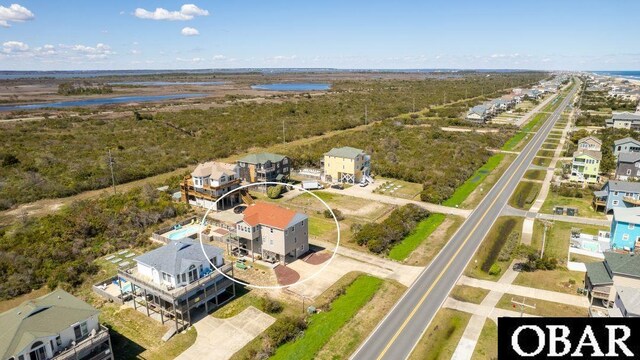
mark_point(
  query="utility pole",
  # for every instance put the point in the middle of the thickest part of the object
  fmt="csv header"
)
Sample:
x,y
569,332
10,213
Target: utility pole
x,y
414,104
522,305
113,177
444,100
546,224
284,140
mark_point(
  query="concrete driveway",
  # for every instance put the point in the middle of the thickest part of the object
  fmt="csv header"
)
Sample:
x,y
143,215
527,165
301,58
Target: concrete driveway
x,y
219,339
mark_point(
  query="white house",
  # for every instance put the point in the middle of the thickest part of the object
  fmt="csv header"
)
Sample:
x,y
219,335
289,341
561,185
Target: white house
x,y
209,182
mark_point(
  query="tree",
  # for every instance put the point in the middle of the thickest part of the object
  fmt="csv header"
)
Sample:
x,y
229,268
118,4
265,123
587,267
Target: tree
x,y
273,192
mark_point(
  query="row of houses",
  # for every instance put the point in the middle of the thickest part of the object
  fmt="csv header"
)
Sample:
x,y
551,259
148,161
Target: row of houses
x,y
624,120
585,165
614,284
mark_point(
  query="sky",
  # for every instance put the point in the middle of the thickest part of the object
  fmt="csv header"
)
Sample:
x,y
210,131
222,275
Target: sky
x,y
350,34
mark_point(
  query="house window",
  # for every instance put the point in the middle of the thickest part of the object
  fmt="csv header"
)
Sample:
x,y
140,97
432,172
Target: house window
x,y
631,226
615,193
184,277
38,351
625,237
271,230
615,202
628,171
193,274
80,330
270,241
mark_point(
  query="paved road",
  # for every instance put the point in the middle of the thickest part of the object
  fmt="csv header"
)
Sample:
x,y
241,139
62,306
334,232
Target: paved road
x,y
398,333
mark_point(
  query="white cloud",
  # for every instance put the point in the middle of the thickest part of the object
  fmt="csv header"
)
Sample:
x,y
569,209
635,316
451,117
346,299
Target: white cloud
x,y
192,60
219,57
14,13
14,47
189,31
186,12
100,51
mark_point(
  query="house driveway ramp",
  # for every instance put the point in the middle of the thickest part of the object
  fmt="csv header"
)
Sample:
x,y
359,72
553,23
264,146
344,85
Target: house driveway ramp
x,y
214,341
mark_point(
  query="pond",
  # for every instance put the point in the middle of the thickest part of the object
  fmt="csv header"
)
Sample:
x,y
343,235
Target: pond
x,y
167,83
98,101
292,87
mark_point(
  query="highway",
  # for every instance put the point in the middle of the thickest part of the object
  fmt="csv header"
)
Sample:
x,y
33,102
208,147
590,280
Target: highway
x,y
397,334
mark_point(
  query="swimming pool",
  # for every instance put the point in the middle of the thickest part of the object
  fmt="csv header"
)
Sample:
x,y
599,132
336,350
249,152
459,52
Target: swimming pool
x,y
185,232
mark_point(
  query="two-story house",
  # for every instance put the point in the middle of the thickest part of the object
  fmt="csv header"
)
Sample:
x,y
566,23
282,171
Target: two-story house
x,y
625,145
209,182
617,194
274,233
478,114
347,165
586,166
590,143
625,229
606,279
55,326
256,168
624,120
174,280
628,166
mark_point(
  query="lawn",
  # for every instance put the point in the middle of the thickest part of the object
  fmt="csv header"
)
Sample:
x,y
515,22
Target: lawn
x,y
490,248
320,226
351,207
478,194
442,336
427,226
463,191
468,294
535,174
401,189
544,162
487,346
524,195
542,307
428,249
324,325
583,258
583,205
559,280
346,340
558,236
545,153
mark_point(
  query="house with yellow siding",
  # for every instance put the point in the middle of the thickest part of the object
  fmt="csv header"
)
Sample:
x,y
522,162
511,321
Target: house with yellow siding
x,y
347,165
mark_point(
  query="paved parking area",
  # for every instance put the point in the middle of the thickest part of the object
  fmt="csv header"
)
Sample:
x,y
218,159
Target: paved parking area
x,y
215,340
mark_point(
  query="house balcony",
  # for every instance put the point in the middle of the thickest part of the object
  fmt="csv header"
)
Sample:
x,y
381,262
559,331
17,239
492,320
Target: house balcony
x,y
631,200
91,348
598,294
188,183
266,170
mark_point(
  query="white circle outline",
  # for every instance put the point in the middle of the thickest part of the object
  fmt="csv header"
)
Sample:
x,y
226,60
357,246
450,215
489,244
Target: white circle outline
x,y
275,287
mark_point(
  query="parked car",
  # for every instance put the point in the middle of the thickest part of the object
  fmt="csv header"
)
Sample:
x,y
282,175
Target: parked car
x,y
239,209
519,267
311,185
337,186
364,184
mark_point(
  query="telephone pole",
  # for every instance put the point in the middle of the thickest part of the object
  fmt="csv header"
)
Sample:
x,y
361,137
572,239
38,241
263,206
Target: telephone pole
x,y
522,305
113,177
414,104
284,140
365,114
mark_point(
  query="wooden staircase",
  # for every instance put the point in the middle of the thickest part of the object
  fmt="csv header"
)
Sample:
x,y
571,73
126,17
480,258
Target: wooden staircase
x,y
246,197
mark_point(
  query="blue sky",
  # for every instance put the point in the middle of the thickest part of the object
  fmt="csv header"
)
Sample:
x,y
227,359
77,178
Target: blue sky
x,y
540,34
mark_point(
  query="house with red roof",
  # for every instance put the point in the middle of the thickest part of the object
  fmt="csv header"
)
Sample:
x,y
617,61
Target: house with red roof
x,y
274,233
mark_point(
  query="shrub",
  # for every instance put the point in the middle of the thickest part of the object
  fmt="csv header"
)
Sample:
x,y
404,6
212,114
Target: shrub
x,y
505,230
336,212
273,192
9,160
271,306
506,253
285,329
495,269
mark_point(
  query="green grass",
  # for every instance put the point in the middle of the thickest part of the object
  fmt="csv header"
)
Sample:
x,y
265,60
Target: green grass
x,y
442,336
559,280
544,162
491,246
517,138
545,153
323,325
403,249
463,191
487,346
320,226
468,294
535,174
543,307
583,204
524,195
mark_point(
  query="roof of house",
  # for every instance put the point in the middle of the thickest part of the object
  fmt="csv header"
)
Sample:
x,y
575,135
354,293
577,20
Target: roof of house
x,y
629,157
625,116
625,186
626,140
261,158
478,109
591,153
47,315
592,138
627,215
623,264
214,169
177,256
598,273
271,215
630,298
345,152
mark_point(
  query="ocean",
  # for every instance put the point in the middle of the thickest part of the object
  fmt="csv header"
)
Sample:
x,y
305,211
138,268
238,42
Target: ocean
x,y
629,74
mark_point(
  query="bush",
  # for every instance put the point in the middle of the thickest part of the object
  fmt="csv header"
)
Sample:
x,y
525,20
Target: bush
x,y
273,192
504,232
285,329
8,160
336,212
495,269
378,237
271,306
506,253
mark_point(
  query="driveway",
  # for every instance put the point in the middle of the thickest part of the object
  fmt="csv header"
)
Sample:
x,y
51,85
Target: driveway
x,y
219,339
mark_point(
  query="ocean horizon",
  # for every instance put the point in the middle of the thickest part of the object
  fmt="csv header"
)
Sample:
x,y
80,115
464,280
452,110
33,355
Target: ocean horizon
x,y
627,74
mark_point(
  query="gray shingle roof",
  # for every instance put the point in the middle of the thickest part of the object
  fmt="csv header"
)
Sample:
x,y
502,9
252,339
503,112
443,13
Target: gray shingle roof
x,y
593,154
177,256
625,186
598,274
626,116
45,316
592,138
629,157
261,158
623,264
345,152
630,298
626,140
